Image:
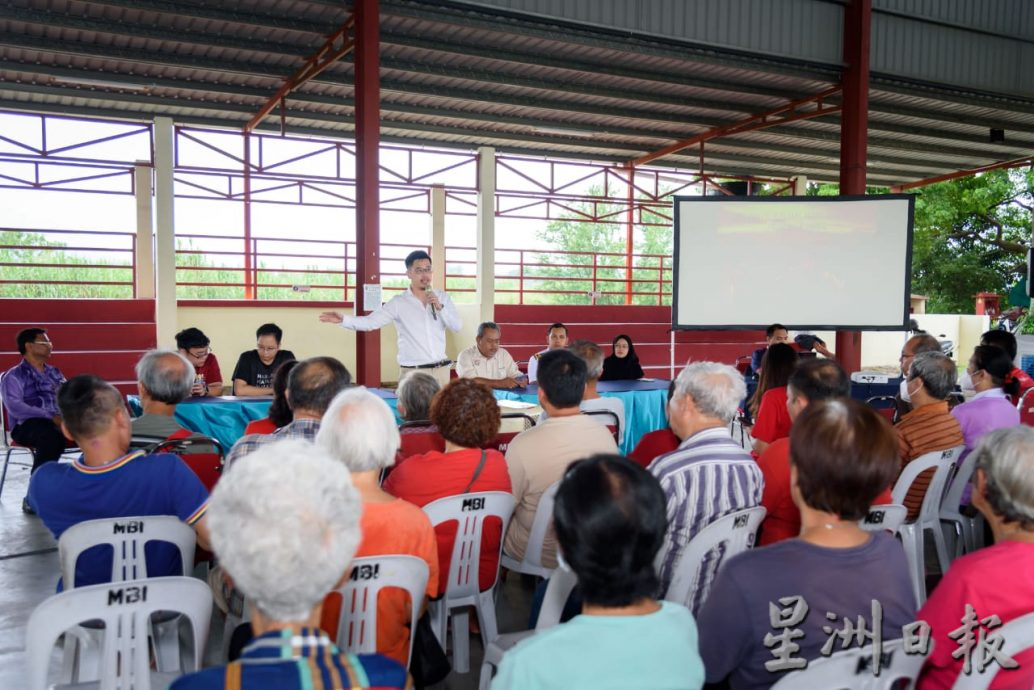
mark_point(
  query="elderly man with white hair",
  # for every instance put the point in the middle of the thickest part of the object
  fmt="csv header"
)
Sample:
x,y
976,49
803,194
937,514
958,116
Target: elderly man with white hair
x,y
163,379
709,475
994,581
286,530
359,431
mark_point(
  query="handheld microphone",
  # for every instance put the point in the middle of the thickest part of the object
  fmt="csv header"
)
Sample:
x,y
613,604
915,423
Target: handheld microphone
x,y
434,312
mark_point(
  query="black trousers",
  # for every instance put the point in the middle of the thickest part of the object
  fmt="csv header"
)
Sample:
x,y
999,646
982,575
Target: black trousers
x,y
43,436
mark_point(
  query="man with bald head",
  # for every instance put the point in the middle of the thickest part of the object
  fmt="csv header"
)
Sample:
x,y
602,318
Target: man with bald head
x,y
311,386
917,344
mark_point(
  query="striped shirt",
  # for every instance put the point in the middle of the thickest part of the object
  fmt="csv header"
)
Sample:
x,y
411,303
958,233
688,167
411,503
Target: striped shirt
x,y
709,476
924,430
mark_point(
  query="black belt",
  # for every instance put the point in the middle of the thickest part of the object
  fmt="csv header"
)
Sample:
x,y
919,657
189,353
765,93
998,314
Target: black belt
x,y
432,365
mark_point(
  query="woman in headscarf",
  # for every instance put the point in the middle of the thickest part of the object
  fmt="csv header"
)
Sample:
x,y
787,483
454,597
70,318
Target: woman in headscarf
x,y
623,364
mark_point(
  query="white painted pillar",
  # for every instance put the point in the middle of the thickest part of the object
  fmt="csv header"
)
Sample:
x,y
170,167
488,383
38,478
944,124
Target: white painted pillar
x,y
143,189
800,185
486,233
438,237
165,232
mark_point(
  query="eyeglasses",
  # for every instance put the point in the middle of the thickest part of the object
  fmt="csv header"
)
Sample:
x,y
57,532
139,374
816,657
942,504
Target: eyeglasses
x,y
422,271
199,355
43,342
267,349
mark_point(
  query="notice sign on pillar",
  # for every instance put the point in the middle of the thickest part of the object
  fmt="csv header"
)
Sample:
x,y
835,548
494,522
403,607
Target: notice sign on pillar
x,y
372,297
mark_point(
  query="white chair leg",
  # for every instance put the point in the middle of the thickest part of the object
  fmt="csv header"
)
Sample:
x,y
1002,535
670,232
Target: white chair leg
x,y
461,640
486,617
486,676
940,547
915,565
439,619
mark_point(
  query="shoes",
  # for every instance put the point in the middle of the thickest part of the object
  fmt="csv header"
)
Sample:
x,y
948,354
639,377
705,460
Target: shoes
x,y
26,508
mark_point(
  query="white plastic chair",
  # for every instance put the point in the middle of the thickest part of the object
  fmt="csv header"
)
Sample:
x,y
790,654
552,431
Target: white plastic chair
x,y
531,564
1019,636
851,669
125,609
884,518
912,533
557,592
128,537
462,589
735,532
965,533
357,624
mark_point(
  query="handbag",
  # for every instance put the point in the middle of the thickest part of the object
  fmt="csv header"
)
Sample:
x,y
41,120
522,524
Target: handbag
x,y
428,664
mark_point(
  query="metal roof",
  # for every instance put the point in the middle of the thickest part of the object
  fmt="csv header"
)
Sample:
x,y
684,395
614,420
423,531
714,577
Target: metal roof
x,y
467,75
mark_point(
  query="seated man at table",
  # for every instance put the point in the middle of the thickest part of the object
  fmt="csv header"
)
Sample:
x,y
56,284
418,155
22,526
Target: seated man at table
x,y
311,385
592,355
556,338
538,457
163,379
108,481
196,347
488,363
253,375
930,425
776,333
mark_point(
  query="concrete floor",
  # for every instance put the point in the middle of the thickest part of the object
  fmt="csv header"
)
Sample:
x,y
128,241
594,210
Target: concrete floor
x,y
29,572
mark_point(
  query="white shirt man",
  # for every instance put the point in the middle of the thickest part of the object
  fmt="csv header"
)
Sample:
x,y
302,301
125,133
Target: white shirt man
x,y
488,363
557,338
420,315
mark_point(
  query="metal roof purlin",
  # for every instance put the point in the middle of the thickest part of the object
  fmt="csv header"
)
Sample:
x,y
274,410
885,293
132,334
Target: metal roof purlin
x,y
326,55
776,116
1017,163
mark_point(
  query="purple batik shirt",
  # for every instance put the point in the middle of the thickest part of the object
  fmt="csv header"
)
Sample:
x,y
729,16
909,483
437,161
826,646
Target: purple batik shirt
x,y
31,394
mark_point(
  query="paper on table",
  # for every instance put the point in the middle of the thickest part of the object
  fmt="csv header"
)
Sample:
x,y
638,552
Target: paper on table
x,y
515,404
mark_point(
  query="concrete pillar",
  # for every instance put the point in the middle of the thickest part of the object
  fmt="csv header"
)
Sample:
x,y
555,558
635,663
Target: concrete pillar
x,y
143,189
800,185
165,232
486,233
438,237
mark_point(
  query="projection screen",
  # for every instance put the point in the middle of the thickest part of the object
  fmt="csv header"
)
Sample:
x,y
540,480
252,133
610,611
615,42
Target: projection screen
x,y
812,263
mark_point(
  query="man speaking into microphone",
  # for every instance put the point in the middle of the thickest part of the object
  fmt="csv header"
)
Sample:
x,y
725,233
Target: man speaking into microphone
x,y
420,315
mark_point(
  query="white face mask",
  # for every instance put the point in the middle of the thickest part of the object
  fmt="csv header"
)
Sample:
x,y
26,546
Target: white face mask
x,y
966,382
904,391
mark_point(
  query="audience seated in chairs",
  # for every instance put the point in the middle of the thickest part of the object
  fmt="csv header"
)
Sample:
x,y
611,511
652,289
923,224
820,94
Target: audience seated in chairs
x,y
710,475
842,455
280,414
929,426
285,528
253,375
538,457
995,580
359,431
163,379
1004,340
768,404
311,385
656,443
30,396
109,481
592,355
610,523
988,374
623,363
196,347
467,416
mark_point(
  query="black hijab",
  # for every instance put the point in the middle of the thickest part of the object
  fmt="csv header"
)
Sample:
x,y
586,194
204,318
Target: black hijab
x,y
622,368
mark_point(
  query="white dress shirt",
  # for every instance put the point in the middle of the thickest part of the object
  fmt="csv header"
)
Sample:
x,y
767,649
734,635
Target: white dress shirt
x,y
533,366
472,364
421,338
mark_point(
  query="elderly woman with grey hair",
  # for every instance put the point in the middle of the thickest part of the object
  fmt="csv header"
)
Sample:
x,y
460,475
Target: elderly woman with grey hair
x,y
359,431
286,529
419,434
995,580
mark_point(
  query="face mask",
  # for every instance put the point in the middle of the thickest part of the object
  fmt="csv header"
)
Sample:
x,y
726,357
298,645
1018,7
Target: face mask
x,y
904,391
966,382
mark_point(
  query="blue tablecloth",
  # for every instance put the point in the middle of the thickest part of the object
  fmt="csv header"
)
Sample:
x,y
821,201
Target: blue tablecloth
x,y
224,418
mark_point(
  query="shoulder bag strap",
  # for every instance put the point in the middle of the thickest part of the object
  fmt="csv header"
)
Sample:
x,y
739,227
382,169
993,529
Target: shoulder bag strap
x,y
477,472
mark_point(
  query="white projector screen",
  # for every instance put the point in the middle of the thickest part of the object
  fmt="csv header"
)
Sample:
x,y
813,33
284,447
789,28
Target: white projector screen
x,y
812,263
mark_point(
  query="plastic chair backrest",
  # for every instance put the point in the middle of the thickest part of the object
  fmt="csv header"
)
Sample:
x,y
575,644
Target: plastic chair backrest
x,y
944,462
613,428
735,532
196,452
125,608
501,442
884,404
418,442
357,624
528,420
887,517
1026,407
127,537
958,482
1019,637
557,591
852,669
470,511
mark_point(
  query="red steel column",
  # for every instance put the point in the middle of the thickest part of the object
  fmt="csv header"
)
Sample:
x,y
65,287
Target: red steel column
x,y
854,124
367,211
630,235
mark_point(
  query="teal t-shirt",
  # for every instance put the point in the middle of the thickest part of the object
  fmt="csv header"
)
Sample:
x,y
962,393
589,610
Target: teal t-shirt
x,y
656,651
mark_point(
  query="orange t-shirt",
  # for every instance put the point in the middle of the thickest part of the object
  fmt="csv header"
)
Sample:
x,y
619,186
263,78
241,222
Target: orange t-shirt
x,y
391,529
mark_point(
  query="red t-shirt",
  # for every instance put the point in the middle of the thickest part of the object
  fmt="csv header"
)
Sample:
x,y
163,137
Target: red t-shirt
x,y
210,370
773,419
783,519
425,478
260,426
1025,383
654,445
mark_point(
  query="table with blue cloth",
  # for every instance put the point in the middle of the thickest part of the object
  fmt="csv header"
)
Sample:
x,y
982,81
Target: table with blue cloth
x,y
224,418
